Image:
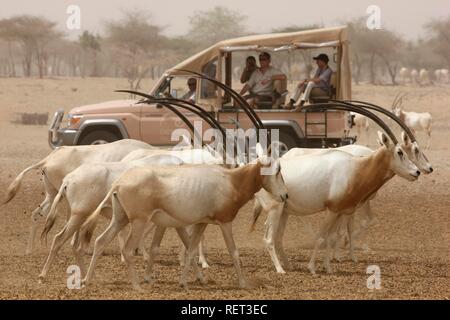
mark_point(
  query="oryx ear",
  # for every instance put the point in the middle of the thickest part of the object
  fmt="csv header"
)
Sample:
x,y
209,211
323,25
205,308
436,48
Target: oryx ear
x,y
383,139
259,150
405,138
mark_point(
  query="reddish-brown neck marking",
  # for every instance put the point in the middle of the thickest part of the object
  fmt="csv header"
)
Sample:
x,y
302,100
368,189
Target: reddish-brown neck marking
x,y
370,174
246,181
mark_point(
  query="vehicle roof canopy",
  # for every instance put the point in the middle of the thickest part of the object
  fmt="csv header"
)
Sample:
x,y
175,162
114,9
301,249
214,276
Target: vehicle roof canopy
x,y
336,35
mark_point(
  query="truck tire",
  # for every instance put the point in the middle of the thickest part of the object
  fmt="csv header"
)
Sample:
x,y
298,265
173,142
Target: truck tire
x,y
98,137
287,142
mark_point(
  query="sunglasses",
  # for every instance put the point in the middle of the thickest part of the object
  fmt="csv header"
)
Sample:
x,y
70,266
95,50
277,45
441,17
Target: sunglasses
x,y
263,59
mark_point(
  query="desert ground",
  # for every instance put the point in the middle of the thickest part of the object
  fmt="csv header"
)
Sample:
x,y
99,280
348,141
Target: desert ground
x,y
410,243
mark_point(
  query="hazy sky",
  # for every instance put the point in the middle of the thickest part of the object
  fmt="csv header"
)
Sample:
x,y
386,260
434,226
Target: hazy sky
x,y
406,17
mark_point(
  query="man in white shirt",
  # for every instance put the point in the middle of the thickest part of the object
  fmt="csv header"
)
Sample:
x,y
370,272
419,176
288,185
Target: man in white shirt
x,y
261,82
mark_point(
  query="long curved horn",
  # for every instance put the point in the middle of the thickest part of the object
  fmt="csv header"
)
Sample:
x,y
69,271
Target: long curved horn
x,y
386,112
185,105
185,120
244,104
394,103
188,106
170,100
368,114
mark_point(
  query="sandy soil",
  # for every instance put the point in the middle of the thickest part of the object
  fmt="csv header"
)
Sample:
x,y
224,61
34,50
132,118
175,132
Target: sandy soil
x,y
410,243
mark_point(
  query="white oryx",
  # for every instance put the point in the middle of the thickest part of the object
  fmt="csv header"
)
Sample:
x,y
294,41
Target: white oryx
x,y
60,162
415,77
334,181
85,187
404,74
368,217
190,194
424,77
415,121
441,76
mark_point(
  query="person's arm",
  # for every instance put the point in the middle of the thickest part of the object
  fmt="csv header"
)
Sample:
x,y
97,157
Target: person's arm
x,y
244,75
250,83
279,77
244,89
324,77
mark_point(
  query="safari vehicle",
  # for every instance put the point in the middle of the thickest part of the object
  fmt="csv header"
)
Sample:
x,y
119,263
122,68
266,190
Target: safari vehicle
x,y
152,123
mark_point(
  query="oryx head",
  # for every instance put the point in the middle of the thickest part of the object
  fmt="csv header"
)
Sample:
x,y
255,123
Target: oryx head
x,y
415,154
400,164
272,180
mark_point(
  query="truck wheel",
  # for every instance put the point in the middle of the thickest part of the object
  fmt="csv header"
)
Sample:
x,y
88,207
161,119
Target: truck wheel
x,y
286,142
98,137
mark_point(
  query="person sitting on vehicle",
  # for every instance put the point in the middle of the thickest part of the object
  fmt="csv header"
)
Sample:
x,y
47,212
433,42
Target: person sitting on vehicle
x,y
261,82
190,95
317,86
250,66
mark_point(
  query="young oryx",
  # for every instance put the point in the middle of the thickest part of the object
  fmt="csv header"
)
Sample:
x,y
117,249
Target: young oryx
x,y
414,120
190,194
63,160
337,182
85,187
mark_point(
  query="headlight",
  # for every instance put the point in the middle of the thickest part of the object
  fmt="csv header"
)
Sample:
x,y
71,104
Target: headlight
x,y
73,119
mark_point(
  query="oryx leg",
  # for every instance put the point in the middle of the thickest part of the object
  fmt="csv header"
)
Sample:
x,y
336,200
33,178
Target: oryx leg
x,y
137,230
185,238
195,238
368,218
321,237
148,230
40,211
65,234
227,233
200,250
78,252
202,253
272,227
332,229
118,222
428,130
350,238
154,250
279,240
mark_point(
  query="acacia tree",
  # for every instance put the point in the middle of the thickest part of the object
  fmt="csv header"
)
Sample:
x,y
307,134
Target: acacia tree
x,y
372,47
211,26
91,46
33,35
135,42
439,31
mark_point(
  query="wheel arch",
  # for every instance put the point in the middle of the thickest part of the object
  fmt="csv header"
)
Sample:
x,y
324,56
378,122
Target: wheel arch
x,y
112,125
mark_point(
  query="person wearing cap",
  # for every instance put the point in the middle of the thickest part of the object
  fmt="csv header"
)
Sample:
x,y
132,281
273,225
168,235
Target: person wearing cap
x,y
190,95
319,85
261,82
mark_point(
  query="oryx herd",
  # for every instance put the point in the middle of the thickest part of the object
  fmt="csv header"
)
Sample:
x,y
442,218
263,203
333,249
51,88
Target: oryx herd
x,y
132,183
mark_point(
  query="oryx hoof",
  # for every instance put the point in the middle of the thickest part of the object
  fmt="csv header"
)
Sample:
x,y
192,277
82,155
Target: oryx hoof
x,y
312,268
148,278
